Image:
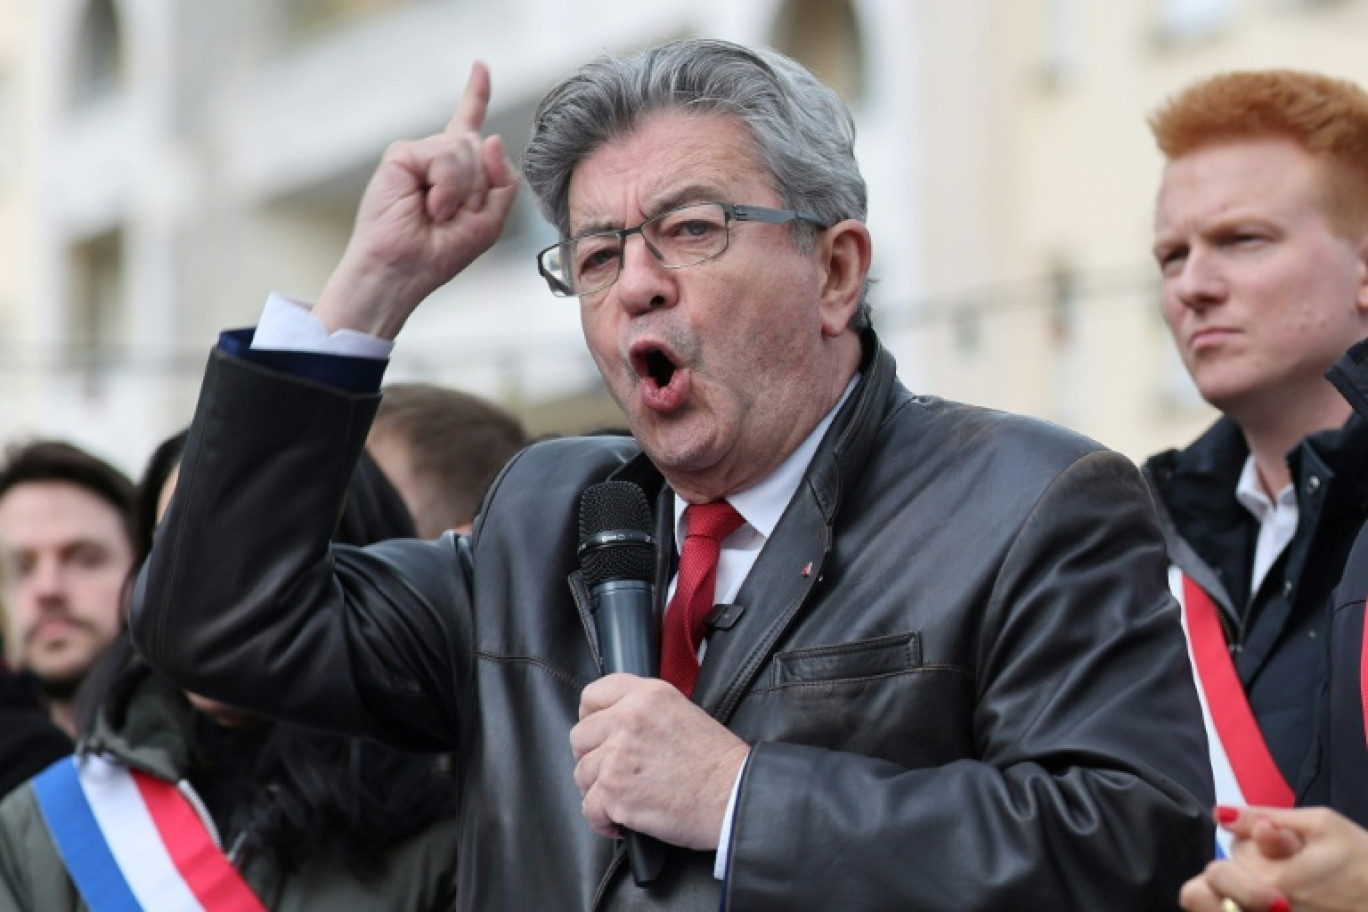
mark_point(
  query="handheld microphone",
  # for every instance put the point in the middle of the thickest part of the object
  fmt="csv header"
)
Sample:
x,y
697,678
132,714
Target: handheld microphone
x,y
617,556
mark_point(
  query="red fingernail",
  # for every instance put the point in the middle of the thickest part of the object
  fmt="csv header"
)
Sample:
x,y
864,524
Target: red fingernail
x,y
1280,905
1226,815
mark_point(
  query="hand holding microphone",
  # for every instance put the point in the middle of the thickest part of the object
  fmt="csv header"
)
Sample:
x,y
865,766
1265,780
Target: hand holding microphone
x,y
617,555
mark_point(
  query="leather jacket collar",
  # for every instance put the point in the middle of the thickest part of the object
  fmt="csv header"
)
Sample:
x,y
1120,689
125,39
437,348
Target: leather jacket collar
x,y
787,571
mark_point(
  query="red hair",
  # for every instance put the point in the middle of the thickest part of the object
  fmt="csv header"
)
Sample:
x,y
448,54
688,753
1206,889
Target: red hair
x,y
1326,117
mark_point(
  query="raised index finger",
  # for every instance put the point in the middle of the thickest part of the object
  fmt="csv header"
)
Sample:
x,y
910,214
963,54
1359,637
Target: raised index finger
x,y
470,111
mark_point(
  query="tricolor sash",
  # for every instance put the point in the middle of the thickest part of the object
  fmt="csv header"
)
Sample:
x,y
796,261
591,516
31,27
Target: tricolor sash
x,y
1241,763
132,842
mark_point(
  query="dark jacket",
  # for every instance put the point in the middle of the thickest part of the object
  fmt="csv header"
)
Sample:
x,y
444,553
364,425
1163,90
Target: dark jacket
x,y
145,728
1278,633
1338,775
29,741
956,658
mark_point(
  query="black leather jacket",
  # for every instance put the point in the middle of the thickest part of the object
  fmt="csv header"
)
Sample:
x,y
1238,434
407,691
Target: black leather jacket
x,y
956,659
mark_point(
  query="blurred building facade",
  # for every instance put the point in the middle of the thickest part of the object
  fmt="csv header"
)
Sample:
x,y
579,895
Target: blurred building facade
x,y
164,164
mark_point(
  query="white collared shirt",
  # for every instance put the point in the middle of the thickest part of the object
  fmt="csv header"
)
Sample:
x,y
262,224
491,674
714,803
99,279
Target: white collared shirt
x,y
760,506
288,324
1277,520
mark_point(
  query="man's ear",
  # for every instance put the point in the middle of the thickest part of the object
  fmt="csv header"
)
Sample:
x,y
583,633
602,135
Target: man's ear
x,y
845,250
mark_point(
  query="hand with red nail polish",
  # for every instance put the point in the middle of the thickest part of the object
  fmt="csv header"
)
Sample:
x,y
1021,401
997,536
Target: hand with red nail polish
x,y
1308,859
1226,816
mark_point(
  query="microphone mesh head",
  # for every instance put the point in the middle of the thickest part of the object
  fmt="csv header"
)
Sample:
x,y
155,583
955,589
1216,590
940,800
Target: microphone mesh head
x,y
615,506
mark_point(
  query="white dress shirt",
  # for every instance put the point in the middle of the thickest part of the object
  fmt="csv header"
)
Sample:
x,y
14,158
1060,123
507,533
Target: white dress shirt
x,y
1277,520
760,506
288,324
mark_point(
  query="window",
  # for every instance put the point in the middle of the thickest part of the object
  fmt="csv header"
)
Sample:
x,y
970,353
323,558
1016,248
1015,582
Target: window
x,y
99,54
301,19
1182,21
95,328
9,127
1069,382
966,328
824,36
1061,56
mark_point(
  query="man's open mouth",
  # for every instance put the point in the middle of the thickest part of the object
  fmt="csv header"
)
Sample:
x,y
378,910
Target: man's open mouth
x,y
656,365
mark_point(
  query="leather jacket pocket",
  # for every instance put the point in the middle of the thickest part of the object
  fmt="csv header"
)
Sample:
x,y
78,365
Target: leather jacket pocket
x,y
872,658
843,696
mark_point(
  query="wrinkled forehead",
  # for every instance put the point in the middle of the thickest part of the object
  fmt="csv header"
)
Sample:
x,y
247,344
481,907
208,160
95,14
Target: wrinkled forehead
x,y
667,159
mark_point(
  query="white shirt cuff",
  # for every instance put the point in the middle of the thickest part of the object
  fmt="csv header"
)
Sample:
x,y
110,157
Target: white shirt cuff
x,y
724,840
289,325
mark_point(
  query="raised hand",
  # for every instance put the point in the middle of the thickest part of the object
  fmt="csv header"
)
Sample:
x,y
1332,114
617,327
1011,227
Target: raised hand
x,y
431,208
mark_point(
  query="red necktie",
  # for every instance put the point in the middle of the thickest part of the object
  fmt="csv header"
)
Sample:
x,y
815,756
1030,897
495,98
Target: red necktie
x,y
708,524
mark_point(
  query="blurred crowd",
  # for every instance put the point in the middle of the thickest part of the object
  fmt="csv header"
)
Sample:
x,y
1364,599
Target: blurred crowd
x,y
312,820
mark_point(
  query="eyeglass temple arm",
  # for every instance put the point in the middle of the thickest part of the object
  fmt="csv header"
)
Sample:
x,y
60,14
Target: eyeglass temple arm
x,y
774,216
555,283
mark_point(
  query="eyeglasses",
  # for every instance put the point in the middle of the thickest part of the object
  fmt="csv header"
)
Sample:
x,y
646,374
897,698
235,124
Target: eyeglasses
x,y
682,237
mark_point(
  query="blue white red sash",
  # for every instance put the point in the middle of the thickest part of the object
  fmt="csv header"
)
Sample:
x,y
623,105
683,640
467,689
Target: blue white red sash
x,y
1241,763
133,842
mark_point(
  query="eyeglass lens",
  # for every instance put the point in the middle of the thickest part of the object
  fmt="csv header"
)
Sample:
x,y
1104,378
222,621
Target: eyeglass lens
x,y
681,237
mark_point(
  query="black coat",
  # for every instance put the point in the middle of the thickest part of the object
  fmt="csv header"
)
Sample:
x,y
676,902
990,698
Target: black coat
x,y
1278,633
29,741
957,660
1338,776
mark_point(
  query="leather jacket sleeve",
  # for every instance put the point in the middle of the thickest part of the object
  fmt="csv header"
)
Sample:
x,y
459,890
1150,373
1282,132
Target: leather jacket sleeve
x,y
268,622
1060,811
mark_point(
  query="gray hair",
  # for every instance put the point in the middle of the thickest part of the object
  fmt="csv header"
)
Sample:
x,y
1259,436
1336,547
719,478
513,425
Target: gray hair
x,y
803,132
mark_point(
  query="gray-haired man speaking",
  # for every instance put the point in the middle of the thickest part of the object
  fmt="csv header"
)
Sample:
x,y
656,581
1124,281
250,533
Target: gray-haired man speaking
x,y
949,674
